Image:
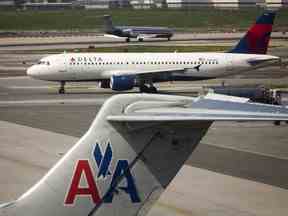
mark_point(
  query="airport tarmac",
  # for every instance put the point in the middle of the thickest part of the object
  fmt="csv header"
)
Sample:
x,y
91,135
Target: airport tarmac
x,y
101,39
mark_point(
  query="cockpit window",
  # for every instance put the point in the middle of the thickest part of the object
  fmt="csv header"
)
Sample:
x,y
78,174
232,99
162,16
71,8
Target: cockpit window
x,y
43,63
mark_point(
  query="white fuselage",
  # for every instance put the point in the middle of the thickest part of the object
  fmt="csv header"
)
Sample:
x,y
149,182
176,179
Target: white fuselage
x,y
156,66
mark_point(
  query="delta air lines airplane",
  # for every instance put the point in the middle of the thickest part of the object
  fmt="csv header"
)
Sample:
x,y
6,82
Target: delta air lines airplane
x,y
124,71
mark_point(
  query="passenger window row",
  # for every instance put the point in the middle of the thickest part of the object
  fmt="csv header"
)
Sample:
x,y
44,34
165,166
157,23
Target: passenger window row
x,y
141,63
43,63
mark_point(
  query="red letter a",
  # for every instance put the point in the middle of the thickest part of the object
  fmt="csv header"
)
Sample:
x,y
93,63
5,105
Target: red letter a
x,y
75,189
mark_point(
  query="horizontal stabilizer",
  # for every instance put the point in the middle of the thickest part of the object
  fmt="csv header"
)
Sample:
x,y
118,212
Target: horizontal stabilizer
x,y
210,108
269,60
223,97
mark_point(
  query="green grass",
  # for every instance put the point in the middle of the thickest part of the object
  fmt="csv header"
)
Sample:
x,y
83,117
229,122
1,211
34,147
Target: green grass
x,y
137,48
73,20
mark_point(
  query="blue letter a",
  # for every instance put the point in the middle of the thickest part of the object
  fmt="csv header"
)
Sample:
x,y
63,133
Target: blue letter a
x,y
122,171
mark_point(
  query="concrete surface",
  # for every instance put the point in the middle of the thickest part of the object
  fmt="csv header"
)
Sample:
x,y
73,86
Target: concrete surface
x,y
99,38
194,191
26,155
198,192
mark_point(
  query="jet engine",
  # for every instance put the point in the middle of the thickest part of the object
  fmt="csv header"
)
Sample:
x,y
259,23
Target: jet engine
x,y
129,32
122,83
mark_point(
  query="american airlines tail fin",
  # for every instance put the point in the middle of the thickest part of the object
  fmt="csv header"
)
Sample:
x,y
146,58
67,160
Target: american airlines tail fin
x,y
132,151
108,25
256,40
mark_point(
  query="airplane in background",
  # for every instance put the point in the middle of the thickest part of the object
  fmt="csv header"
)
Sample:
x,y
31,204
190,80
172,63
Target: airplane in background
x,y
138,32
124,71
131,152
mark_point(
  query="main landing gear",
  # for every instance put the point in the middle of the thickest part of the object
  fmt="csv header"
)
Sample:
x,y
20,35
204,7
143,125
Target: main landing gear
x,y
62,88
128,40
146,89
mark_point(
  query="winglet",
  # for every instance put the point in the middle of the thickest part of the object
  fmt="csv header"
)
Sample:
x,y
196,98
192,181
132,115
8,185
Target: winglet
x,y
256,40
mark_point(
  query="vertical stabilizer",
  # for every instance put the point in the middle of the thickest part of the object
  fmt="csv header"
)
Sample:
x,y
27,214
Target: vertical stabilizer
x,y
115,169
108,25
256,40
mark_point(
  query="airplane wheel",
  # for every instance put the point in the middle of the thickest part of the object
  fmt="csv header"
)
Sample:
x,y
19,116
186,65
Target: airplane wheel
x,y
127,40
277,123
144,89
153,89
169,38
61,91
62,88
140,39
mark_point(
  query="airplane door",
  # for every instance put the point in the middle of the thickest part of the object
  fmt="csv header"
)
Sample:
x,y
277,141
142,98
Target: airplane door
x,y
67,69
229,65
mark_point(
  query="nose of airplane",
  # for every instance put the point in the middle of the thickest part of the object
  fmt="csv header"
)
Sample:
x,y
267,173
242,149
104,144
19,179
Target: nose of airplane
x,y
28,71
31,72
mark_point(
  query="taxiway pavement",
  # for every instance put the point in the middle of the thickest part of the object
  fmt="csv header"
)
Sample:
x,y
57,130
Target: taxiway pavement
x,y
101,39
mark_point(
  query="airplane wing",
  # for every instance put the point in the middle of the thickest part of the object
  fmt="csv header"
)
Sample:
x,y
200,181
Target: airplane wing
x,y
112,36
143,72
147,36
201,109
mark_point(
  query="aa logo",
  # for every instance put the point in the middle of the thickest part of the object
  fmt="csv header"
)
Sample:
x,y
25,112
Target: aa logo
x,y
120,173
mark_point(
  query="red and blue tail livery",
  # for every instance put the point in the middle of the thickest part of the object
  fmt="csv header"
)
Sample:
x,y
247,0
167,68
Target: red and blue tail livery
x,y
256,40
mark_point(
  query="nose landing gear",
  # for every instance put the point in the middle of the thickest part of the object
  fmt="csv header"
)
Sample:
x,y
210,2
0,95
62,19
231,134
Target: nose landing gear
x,y
62,88
146,89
